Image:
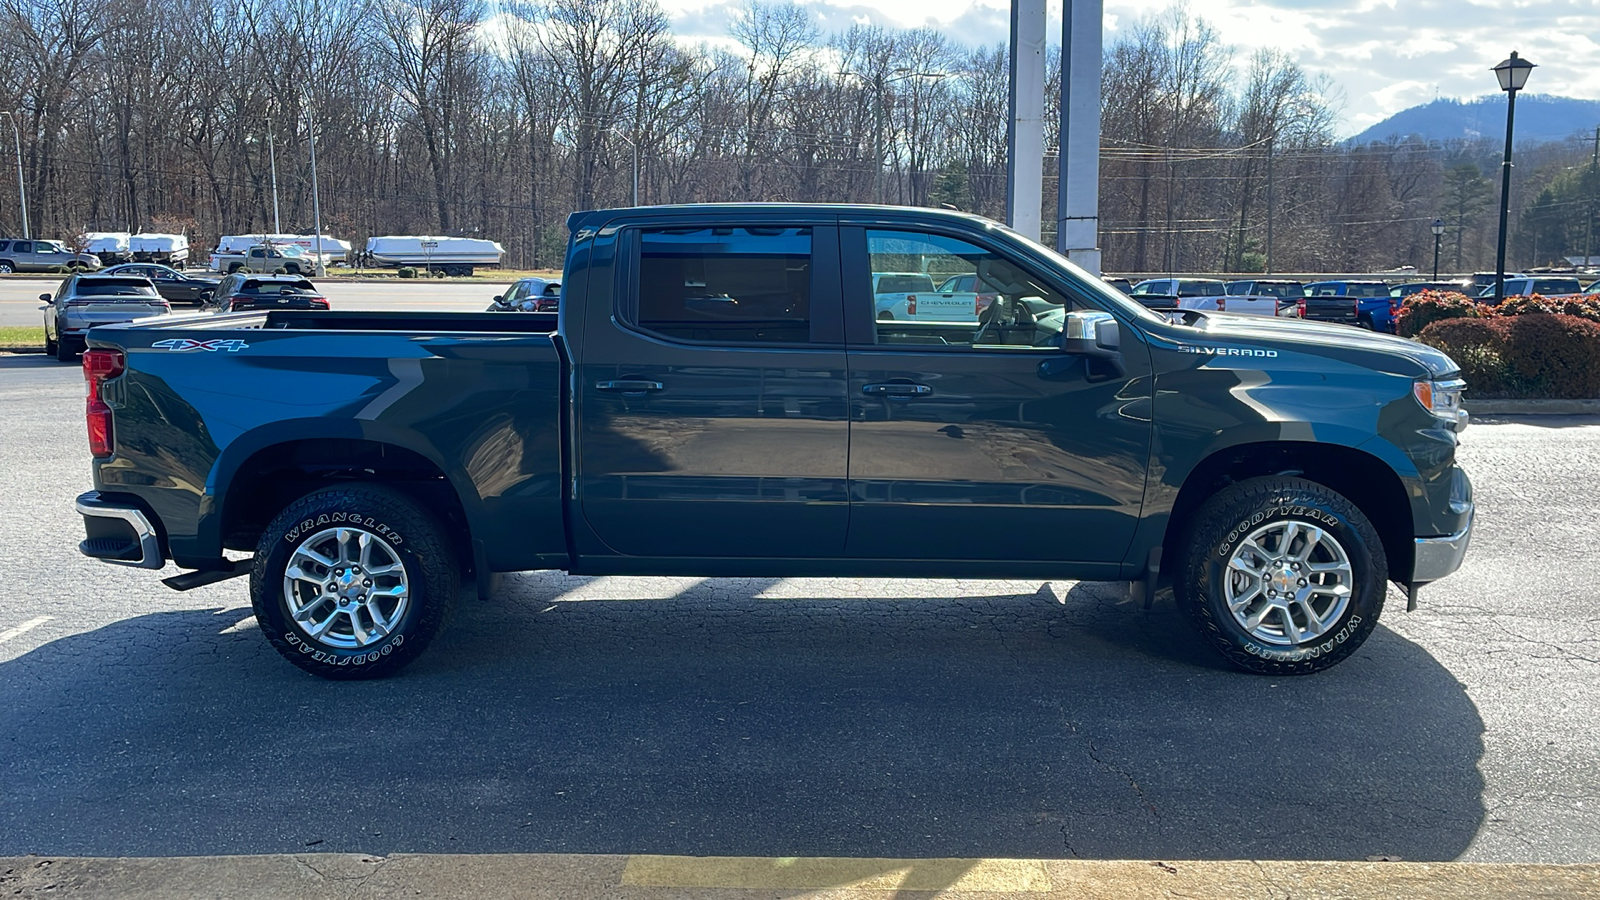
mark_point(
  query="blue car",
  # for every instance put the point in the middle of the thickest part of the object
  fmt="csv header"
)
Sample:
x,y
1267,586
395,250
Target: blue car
x,y
1373,308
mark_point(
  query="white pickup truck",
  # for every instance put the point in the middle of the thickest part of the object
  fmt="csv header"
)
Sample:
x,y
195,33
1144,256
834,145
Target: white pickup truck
x,y
911,296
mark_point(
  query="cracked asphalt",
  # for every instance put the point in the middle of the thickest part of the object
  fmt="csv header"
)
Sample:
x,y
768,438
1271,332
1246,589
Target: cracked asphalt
x,y
803,717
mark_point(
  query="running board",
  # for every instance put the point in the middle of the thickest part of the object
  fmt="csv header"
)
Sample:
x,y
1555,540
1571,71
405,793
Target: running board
x,y
188,581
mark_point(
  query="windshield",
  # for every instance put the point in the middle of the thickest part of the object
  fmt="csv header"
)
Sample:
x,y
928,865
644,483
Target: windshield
x,y
1114,299
1280,289
903,284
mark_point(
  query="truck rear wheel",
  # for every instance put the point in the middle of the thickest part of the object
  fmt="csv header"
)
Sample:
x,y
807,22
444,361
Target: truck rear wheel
x,y
353,582
1282,575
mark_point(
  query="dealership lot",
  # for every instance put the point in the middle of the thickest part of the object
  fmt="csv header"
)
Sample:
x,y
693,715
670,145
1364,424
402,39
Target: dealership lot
x,y
780,717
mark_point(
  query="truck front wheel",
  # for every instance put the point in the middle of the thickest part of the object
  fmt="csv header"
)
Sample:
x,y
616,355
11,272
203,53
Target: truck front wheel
x,y
1282,575
353,582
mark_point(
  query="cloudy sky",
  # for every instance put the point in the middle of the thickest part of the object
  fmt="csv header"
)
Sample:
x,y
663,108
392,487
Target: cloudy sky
x,y
1384,55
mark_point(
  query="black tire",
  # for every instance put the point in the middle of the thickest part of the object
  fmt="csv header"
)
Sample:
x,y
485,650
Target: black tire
x,y
1221,526
7,267
49,345
405,532
65,351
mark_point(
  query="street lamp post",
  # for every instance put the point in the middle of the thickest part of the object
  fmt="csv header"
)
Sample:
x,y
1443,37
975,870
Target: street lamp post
x,y
316,202
1438,235
22,187
1513,74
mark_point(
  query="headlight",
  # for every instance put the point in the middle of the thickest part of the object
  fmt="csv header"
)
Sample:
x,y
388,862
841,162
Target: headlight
x,y
1442,398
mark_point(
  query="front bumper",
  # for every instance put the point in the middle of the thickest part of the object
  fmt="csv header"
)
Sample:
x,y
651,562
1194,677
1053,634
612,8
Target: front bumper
x,y
1436,557
118,533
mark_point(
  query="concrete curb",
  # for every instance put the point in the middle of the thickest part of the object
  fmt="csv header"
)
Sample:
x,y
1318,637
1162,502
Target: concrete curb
x,y
1532,407
576,877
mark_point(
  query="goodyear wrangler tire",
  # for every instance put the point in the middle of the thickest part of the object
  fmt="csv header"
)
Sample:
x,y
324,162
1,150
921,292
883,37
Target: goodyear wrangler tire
x,y
1282,575
353,582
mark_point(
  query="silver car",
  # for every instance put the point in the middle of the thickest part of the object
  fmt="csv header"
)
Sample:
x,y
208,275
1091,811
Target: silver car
x,y
42,256
84,301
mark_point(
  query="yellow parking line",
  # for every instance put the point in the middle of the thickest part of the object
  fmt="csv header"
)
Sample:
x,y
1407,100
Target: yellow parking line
x,y
817,872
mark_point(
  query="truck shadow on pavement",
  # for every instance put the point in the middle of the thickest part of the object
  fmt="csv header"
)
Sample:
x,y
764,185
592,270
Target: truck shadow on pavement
x,y
739,717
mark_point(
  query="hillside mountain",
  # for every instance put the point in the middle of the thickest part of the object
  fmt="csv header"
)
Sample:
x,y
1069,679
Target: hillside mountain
x,y
1539,118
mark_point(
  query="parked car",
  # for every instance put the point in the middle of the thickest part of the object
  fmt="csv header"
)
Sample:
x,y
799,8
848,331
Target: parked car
x,y
1593,288
42,256
1265,287
1279,478
1245,304
1481,280
970,283
1528,285
1369,307
529,295
243,291
176,286
84,301
266,259
1401,291
1182,287
1121,284
911,296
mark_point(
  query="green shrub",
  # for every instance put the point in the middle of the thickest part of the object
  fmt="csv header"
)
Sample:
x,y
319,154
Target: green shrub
x,y
1479,347
1554,355
60,270
1426,307
407,272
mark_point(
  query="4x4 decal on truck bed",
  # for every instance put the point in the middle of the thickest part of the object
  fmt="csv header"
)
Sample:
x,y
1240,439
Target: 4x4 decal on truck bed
x,y
182,344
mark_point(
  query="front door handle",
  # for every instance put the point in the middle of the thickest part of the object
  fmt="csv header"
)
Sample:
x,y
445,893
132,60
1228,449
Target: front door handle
x,y
628,387
897,389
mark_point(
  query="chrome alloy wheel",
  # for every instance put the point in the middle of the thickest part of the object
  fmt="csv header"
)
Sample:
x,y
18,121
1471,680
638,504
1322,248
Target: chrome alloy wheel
x,y
346,588
1288,583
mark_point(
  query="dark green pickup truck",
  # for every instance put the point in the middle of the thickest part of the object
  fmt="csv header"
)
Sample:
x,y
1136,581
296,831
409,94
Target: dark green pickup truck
x,y
716,397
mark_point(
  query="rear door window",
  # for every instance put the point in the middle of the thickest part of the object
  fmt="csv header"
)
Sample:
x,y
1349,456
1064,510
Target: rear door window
x,y
749,285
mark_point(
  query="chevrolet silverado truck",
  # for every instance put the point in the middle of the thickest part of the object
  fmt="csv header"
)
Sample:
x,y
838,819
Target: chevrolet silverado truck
x,y
717,397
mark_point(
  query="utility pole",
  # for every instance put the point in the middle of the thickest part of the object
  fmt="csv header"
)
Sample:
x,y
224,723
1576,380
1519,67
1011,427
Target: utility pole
x,y
316,203
1594,193
22,187
272,155
1025,119
1268,266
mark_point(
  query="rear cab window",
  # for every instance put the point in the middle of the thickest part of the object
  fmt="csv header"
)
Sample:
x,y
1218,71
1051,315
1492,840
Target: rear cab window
x,y
724,284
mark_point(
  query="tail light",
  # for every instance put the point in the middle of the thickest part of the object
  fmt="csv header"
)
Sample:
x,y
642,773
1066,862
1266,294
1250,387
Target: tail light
x,y
911,304
319,303
1300,307
100,366
1222,304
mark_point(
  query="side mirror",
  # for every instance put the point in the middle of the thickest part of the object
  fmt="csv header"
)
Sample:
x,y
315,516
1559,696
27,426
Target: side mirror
x,y
498,298
1091,333
45,297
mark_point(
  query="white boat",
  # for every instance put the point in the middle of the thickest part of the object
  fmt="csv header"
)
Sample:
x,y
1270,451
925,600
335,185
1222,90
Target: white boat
x,y
171,249
451,255
110,246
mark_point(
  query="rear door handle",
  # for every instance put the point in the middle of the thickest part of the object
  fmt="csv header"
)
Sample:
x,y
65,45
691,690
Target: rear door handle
x,y
897,389
630,387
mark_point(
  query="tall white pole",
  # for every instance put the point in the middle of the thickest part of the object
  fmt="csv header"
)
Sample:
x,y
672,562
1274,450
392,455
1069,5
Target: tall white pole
x,y
1078,188
272,154
1025,130
22,187
316,203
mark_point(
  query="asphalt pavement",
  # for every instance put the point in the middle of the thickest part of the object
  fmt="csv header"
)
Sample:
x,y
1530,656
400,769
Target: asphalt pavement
x,y
782,718
19,297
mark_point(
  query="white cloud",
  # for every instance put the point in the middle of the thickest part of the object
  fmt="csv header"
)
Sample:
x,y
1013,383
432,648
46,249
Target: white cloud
x,y
1385,55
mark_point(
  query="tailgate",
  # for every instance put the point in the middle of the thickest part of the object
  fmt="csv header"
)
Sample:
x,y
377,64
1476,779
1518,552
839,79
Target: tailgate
x,y
82,314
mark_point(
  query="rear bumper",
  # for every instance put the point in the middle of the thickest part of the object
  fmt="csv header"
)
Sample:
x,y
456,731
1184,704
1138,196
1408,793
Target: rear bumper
x,y
118,533
1436,557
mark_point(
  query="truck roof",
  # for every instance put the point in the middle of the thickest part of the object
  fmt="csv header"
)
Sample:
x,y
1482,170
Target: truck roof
x,y
763,211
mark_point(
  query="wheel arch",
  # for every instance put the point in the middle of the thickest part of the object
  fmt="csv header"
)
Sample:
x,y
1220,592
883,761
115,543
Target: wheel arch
x,y
261,473
1365,479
